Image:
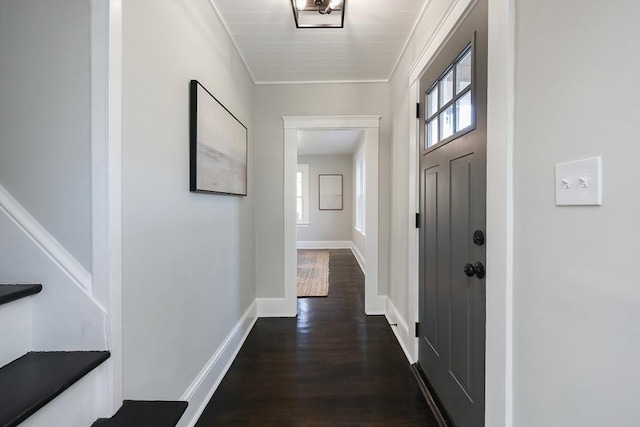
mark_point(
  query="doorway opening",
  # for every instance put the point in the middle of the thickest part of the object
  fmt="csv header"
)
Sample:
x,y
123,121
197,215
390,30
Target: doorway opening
x,y
329,203
330,197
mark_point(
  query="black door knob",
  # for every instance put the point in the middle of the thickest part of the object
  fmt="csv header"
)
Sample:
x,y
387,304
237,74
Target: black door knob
x,y
479,270
469,270
476,269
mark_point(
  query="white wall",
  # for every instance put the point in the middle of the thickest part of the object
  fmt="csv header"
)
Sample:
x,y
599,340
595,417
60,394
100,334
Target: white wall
x,y
401,122
577,292
45,159
334,225
271,102
188,259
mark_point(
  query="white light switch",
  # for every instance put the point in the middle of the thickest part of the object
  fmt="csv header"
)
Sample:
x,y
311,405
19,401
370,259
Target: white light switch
x,y
579,182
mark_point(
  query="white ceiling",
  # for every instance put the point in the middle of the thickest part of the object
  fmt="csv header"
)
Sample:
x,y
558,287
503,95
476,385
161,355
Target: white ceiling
x,y
366,49
343,141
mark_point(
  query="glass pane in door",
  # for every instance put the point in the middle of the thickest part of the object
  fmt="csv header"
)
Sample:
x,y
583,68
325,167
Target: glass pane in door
x,y
446,88
463,73
432,132
446,123
464,112
432,101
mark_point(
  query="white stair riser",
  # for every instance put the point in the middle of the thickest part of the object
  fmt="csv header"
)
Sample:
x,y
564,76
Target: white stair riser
x,y
16,329
79,406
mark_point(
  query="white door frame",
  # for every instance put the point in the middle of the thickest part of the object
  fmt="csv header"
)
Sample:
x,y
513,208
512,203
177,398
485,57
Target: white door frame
x,y
373,303
500,142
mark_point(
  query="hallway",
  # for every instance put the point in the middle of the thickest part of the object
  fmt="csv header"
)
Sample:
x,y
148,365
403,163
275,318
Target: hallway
x,y
332,365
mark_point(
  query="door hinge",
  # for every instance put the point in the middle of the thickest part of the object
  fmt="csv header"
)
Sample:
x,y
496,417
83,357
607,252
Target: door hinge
x,y
417,110
417,220
417,330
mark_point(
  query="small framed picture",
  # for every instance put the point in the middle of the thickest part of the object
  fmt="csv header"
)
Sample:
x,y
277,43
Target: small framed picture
x,y
330,191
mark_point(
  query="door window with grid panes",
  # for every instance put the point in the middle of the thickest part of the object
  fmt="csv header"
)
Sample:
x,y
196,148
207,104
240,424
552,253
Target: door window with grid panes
x,y
449,102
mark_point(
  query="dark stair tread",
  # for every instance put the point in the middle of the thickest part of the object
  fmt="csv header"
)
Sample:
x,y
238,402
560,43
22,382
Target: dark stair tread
x,y
33,380
10,293
140,413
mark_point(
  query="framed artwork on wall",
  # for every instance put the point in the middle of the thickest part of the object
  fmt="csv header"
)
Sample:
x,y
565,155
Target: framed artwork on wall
x,y
217,145
330,192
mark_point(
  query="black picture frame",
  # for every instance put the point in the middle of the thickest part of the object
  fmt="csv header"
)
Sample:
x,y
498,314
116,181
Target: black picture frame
x,y
217,145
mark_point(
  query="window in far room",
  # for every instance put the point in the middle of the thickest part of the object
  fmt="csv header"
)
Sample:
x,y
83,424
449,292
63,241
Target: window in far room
x,y
302,194
360,194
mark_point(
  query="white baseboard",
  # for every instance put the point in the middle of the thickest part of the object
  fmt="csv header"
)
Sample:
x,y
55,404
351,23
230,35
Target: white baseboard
x,y
273,307
358,256
205,384
377,306
394,316
337,244
401,331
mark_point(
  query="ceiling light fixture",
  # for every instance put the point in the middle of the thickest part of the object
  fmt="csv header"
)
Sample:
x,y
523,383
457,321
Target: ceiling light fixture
x,y
318,13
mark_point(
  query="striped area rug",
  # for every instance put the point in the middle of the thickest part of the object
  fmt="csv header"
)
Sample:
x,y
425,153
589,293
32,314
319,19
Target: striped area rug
x,y
313,273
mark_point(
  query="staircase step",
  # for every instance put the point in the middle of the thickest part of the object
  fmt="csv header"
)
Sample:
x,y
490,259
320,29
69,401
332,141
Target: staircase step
x,y
140,413
33,380
10,293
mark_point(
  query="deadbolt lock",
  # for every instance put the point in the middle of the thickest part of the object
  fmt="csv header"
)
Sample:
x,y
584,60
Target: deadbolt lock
x,y
478,237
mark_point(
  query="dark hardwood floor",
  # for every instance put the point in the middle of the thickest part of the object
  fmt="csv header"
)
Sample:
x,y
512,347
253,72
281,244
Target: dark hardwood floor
x,y
330,366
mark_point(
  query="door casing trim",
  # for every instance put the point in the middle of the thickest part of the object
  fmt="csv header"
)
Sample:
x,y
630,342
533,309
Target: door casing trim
x,y
374,303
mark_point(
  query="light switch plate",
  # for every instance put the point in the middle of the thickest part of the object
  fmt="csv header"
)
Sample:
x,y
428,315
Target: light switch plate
x,y
579,183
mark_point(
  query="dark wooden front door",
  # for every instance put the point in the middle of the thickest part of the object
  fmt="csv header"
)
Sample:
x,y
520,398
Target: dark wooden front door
x,y
452,226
